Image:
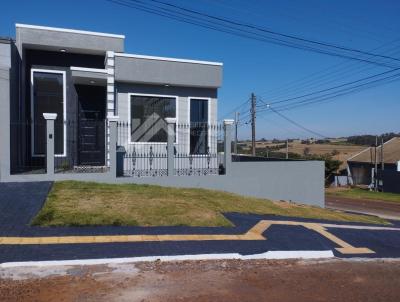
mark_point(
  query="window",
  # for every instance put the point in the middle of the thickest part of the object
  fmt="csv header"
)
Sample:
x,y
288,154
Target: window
x,y
198,126
148,115
48,90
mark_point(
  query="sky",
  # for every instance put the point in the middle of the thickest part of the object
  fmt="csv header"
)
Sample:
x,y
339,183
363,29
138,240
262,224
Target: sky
x,y
271,72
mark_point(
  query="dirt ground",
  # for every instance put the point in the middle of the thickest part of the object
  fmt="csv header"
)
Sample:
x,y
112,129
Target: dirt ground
x,y
233,280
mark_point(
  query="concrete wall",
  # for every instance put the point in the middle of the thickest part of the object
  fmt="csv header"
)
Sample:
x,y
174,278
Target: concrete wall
x,y
76,42
183,94
150,71
297,181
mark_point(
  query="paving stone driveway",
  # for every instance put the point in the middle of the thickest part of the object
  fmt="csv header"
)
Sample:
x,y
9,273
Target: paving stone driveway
x,y
20,202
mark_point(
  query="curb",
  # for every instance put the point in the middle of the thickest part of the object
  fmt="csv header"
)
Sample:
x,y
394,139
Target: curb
x,y
271,255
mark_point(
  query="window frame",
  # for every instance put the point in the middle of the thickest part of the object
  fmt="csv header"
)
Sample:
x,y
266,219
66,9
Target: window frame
x,y
208,122
130,118
55,71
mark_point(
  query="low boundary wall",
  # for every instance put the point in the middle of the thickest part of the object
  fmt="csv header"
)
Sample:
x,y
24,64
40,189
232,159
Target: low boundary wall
x,y
297,181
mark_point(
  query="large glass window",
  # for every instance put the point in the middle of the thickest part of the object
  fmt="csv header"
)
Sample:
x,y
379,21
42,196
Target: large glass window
x,y
198,126
47,97
148,115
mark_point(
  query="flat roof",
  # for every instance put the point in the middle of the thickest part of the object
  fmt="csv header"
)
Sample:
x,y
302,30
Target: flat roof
x,y
127,55
83,32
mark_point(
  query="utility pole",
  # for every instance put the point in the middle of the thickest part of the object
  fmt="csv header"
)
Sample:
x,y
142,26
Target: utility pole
x,y
382,159
287,149
382,163
376,165
237,114
253,124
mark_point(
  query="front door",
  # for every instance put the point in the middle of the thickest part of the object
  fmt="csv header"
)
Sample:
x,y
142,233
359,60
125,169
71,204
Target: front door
x,y
91,125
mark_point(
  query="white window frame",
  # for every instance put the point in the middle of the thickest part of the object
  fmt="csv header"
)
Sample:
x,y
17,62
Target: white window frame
x,y
208,121
151,95
63,72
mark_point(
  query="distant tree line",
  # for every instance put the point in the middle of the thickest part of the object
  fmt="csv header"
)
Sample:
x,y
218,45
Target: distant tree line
x,y
369,140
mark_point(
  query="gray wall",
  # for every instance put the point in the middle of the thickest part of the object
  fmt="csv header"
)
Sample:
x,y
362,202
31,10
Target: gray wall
x,y
128,69
297,181
71,41
183,94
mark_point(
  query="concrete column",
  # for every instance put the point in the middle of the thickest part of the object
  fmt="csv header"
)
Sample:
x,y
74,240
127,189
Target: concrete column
x,y
50,117
113,147
170,145
228,125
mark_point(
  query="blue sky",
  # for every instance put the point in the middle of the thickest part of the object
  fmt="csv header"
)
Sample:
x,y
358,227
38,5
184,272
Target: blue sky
x,y
270,71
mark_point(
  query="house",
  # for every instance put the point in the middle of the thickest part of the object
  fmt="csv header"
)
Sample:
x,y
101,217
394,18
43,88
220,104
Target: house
x,y
360,165
87,79
75,106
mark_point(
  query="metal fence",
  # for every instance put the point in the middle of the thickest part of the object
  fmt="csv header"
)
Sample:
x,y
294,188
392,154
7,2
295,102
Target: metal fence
x,y
196,147
80,147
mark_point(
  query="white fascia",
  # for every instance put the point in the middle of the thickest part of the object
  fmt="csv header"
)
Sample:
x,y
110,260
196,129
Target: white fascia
x,y
126,55
66,30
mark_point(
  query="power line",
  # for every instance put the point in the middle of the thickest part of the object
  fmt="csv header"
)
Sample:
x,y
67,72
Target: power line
x,y
347,91
296,123
236,109
334,95
255,27
162,11
315,78
333,88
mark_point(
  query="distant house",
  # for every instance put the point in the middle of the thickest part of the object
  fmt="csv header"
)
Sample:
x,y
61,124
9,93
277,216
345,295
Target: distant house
x,y
360,165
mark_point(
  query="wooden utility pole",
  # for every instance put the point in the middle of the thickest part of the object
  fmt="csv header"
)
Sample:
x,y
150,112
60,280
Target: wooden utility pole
x,y
253,124
287,149
376,165
382,159
237,114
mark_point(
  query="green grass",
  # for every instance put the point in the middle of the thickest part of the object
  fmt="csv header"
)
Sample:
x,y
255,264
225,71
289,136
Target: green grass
x,y
357,193
72,203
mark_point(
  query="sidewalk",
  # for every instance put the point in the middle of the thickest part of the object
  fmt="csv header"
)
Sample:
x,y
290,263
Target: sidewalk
x,y
252,234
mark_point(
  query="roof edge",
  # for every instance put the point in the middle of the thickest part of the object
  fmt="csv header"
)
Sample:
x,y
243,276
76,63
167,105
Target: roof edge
x,y
127,55
75,31
366,149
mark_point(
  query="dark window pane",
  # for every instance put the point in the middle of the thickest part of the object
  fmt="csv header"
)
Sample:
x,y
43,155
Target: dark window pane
x,y
48,98
148,118
198,126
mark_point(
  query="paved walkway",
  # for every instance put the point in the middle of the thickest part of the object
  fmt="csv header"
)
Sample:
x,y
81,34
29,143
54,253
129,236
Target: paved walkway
x,y
252,234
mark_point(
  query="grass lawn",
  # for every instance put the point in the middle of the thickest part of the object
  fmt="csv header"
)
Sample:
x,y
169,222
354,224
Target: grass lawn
x,y
357,193
72,203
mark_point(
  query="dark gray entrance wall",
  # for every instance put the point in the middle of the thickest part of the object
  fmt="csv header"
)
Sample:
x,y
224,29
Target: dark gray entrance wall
x,y
153,70
72,40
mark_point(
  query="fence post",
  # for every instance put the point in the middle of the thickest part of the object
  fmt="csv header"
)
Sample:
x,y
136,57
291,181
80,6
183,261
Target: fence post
x,y
113,147
50,117
227,145
171,121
